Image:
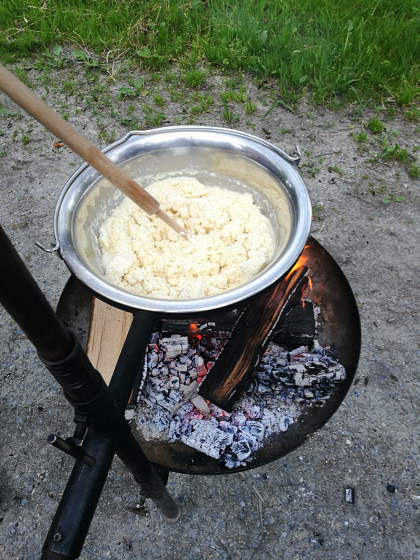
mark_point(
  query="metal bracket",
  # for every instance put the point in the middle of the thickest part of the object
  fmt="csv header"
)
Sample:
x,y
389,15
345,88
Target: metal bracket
x,y
76,451
295,156
55,249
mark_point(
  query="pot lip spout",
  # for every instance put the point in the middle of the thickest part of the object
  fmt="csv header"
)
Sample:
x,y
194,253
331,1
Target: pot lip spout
x,y
246,144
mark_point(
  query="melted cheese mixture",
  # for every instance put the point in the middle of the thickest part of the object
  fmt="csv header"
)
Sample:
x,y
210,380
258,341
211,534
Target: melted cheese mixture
x,y
231,242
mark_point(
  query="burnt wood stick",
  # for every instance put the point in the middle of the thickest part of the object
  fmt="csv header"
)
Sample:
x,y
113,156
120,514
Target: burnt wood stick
x,y
298,327
250,336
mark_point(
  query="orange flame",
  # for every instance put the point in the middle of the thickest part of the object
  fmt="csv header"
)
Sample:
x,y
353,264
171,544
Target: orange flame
x,y
193,331
302,261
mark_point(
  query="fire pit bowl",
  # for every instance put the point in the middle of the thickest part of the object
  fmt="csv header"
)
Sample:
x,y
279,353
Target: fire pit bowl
x,y
215,156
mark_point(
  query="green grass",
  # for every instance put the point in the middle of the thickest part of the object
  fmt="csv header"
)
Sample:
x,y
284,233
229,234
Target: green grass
x,y
353,49
361,138
233,96
395,153
200,103
194,78
415,171
375,125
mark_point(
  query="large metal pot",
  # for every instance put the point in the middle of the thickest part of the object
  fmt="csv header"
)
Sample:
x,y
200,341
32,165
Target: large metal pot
x,y
215,156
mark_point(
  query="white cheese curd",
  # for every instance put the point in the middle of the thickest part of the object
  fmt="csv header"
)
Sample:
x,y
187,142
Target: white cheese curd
x,y
231,242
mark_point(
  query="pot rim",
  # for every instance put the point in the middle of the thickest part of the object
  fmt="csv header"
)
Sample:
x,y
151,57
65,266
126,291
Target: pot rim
x,y
130,301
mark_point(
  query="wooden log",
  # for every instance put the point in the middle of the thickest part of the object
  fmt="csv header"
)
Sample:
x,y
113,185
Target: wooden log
x,y
298,327
108,329
250,336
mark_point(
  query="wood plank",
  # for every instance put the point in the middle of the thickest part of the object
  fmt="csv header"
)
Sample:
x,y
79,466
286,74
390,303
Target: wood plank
x,y
108,329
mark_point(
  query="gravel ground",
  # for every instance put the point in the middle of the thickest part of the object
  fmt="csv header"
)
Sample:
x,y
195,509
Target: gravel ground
x,y
366,210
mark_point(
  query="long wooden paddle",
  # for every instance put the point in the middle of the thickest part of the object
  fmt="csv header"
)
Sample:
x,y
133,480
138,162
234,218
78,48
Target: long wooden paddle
x,y
79,144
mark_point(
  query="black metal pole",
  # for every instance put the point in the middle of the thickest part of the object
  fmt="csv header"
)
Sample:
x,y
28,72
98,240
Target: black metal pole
x,y
131,359
78,503
21,297
85,389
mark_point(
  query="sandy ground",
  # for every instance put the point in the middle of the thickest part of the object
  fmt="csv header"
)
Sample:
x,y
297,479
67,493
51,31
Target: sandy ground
x,y
293,508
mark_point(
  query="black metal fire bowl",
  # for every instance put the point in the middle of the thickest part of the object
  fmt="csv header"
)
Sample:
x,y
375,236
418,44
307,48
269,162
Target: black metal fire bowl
x,y
338,328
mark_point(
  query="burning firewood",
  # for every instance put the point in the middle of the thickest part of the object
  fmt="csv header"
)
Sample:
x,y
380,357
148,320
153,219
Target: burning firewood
x,y
298,327
256,325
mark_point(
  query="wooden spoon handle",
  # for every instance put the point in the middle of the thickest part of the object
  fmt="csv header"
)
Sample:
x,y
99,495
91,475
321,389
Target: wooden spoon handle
x,y
26,99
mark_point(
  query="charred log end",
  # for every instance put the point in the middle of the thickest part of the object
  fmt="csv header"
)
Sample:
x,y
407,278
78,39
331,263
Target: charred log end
x,y
257,324
298,327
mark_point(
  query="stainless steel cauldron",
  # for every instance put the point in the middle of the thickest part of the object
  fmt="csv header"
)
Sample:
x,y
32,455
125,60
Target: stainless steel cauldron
x,y
215,156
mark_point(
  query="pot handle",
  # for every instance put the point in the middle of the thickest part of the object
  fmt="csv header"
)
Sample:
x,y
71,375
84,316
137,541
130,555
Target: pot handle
x,y
293,158
55,249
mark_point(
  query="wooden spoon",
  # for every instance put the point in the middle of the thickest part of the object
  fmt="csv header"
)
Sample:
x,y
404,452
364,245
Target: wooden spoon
x,y
33,105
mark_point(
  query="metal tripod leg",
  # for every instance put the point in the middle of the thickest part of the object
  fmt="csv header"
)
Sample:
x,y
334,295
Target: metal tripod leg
x,y
84,388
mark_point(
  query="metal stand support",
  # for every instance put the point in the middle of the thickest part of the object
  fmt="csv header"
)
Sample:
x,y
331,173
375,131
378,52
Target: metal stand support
x,y
97,407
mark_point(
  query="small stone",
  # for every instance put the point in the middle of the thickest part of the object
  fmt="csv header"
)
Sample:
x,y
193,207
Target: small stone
x,y
350,495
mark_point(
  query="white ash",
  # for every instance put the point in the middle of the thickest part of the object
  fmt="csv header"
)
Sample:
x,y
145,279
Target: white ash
x,y
285,383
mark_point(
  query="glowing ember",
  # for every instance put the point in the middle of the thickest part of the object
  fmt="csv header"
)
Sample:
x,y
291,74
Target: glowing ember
x,y
286,382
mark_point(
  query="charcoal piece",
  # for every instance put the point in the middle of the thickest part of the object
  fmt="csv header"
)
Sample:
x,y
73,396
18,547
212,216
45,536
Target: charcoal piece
x,y
241,449
285,422
173,398
255,429
200,404
175,345
251,335
249,439
274,419
239,419
337,372
307,374
173,382
153,359
227,427
162,420
230,462
206,437
303,379
175,428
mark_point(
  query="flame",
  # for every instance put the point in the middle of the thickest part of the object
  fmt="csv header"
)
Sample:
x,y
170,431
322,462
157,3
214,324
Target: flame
x,y
302,261
193,332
